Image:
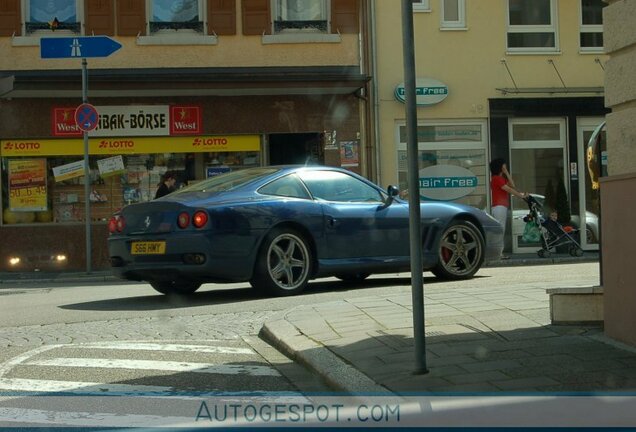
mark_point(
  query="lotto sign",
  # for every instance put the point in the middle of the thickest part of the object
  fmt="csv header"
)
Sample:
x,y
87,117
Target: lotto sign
x,y
27,185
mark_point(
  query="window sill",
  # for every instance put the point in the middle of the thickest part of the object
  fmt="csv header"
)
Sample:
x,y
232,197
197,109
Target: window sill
x,y
453,29
34,40
538,53
188,39
301,38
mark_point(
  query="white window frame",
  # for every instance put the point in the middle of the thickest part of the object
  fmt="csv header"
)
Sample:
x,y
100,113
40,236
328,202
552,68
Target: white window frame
x,y
26,9
326,11
422,6
588,28
548,28
458,24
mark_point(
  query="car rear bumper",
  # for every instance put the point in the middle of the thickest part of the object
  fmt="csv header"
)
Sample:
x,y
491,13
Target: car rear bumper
x,y
194,256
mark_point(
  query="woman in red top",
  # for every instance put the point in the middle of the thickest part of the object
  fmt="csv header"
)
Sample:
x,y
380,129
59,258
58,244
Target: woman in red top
x,y
501,186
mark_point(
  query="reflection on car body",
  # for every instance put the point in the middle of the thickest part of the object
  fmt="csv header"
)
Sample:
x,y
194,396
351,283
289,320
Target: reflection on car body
x,y
279,227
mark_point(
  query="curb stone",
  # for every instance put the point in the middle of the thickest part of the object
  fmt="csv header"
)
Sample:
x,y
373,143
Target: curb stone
x,y
337,373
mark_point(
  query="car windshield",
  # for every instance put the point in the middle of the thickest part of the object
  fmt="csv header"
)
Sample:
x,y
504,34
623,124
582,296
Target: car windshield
x,y
228,181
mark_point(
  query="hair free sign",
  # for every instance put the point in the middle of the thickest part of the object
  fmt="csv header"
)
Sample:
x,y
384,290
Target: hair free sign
x,y
428,91
446,182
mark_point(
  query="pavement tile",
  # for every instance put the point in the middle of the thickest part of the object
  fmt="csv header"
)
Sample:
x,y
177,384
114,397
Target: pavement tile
x,y
482,387
521,384
477,377
485,366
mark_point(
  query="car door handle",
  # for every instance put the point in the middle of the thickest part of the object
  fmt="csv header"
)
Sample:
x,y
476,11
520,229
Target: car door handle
x,y
331,221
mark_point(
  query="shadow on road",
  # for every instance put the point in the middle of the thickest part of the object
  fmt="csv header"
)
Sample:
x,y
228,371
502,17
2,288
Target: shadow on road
x,y
215,294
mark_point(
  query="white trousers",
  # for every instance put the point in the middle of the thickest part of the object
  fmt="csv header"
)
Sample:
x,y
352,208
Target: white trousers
x,y
501,214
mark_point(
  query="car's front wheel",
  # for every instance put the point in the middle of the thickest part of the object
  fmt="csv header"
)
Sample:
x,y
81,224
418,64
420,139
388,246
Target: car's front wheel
x,y
460,251
283,266
175,287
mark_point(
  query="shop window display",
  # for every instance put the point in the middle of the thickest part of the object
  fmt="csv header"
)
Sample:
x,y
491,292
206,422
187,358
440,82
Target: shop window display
x,y
51,189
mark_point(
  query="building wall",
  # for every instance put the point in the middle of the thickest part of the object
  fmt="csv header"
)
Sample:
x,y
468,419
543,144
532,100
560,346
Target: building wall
x,y
618,188
470,63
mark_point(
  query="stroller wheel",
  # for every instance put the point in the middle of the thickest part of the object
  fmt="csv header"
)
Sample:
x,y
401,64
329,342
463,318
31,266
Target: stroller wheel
x,y
544,253
576,251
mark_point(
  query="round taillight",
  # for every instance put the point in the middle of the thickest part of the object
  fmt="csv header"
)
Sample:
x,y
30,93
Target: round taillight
x,y
121,223
183,220
199,219
112,225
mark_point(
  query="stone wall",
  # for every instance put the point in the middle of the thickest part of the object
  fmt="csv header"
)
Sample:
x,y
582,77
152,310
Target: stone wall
x,y
617,189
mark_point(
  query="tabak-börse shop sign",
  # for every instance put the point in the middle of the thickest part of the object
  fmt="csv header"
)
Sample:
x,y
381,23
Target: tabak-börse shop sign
x,y
131,120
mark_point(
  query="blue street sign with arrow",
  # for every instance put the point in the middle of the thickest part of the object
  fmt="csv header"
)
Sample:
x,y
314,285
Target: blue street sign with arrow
x,y
77,47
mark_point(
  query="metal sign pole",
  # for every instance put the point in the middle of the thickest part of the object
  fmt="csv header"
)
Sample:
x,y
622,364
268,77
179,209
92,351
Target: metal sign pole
x,y
415,223
87,174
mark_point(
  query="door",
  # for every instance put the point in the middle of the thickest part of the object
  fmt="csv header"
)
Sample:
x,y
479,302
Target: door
x,y
589,209
537,165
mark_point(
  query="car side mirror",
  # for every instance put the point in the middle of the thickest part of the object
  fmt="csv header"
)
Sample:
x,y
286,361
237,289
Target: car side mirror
x,y
392,191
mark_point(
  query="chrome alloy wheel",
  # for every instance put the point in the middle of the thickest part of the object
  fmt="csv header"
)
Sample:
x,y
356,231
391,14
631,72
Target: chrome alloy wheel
x,y
288,261
461,251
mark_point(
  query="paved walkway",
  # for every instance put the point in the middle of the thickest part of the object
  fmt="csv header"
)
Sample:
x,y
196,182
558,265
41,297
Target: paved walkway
x,y
481,339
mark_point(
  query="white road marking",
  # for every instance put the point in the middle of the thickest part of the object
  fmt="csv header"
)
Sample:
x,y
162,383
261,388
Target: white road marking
x,y
20,415
253,370
41,388
52,386
165,347
10,364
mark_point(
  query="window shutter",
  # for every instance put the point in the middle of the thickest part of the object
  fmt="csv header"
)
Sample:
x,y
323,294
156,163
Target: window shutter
x,y
131,17
222,17
256,17
100,18
344,16
10,18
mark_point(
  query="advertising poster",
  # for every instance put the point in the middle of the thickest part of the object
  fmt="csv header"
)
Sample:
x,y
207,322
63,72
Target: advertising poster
x,y
111,166
68,171
349,156
27,185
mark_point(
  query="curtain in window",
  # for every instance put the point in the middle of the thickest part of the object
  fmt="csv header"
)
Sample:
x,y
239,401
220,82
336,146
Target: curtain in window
x,y
44,11
302,10
175,11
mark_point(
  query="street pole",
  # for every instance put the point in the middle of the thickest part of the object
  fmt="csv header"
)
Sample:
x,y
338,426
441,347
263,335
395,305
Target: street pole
x,y
415,224
87,176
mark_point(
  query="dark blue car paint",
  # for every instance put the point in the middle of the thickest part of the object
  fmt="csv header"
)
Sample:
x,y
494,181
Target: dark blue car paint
x,y
362,237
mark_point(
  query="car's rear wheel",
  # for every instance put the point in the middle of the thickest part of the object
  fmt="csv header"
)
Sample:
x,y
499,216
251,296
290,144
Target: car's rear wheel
x,y
353,277
461,251
175,287
284,263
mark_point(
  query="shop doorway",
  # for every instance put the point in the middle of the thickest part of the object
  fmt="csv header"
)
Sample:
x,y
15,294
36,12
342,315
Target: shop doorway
x,y
537,163
296,148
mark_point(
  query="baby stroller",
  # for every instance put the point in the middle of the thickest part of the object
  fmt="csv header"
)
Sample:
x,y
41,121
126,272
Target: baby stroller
x,y
551,233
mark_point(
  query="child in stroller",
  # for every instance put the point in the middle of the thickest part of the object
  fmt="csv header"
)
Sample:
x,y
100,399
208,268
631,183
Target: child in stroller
x,y
552,233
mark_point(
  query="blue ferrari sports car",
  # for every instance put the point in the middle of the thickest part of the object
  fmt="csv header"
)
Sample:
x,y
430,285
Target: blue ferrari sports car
x,y
278,227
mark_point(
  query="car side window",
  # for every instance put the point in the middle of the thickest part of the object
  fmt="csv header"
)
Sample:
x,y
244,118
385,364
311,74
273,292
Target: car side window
x,y
339,187
288,186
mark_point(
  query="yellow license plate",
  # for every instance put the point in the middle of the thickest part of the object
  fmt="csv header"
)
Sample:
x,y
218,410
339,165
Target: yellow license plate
x,y
148,248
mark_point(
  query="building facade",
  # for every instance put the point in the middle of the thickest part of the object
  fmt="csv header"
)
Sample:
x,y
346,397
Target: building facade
x,y
617,188
521,80
198,87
